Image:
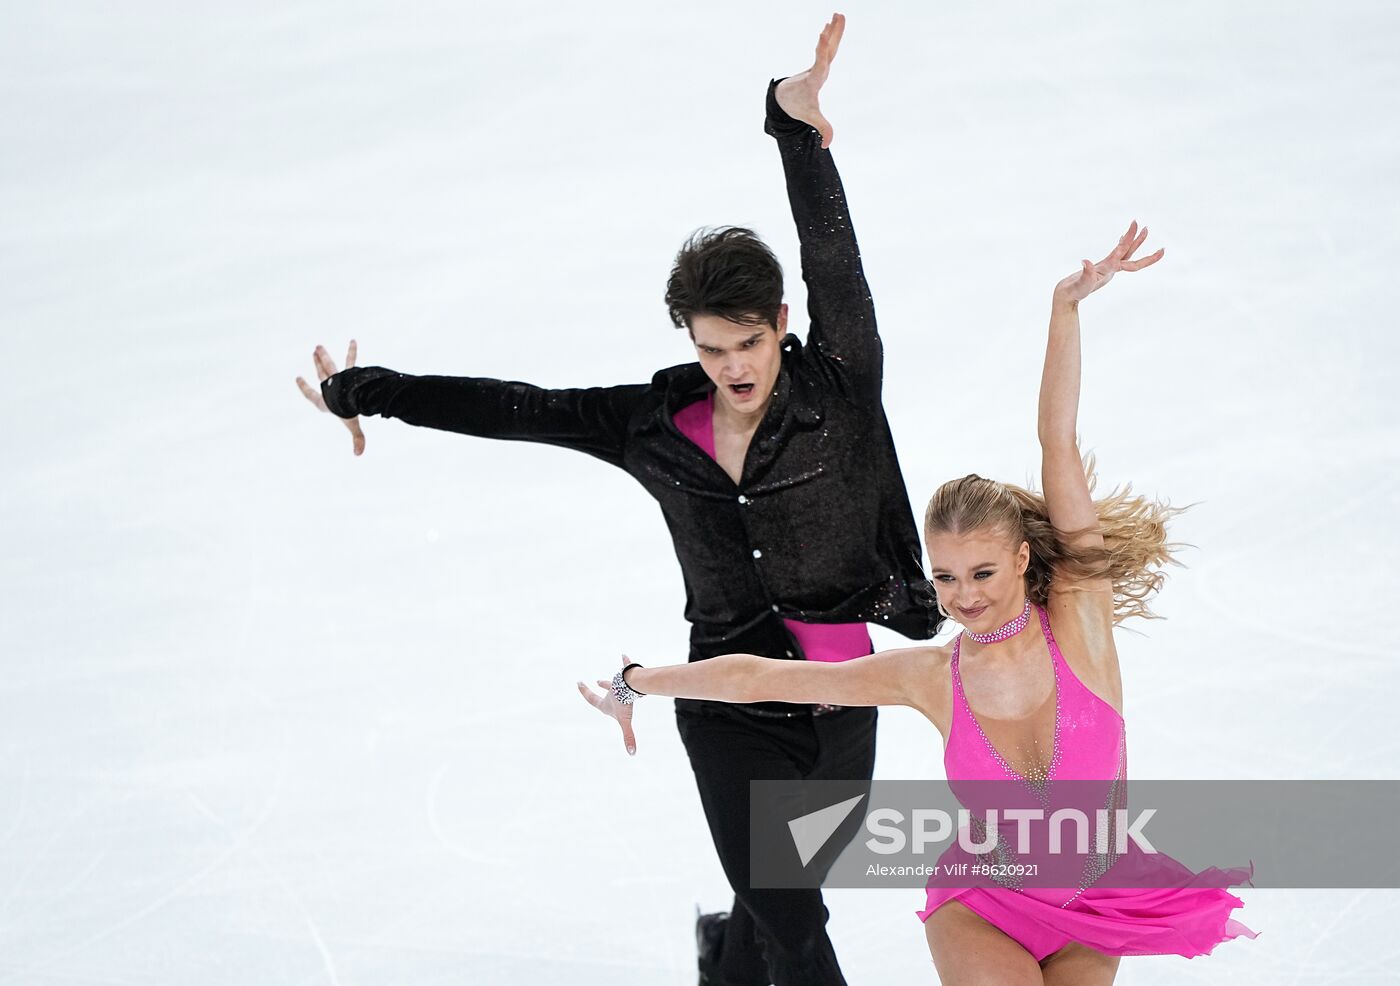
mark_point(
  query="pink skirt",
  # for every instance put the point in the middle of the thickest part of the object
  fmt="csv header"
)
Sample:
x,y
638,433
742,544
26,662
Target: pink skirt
x,y
1171,910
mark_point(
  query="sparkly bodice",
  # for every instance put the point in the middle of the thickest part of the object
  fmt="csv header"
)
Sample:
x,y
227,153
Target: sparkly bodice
x,y
1087,741
1086,744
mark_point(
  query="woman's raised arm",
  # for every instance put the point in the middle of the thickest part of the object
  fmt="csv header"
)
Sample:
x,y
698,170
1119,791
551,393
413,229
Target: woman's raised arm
x,y
1062,476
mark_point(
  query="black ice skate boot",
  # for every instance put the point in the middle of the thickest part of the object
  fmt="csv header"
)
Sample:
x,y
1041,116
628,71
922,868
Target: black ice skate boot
x,y
709,940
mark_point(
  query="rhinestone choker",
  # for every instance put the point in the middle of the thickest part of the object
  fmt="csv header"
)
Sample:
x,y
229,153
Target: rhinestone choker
x,y
1004,631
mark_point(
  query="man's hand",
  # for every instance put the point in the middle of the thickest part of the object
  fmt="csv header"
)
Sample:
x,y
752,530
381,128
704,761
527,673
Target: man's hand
x,y
1091,277
797,95
609,706
325,367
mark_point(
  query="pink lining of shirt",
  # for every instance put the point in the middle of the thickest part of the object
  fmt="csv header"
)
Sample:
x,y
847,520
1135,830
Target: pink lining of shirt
x,y
819,641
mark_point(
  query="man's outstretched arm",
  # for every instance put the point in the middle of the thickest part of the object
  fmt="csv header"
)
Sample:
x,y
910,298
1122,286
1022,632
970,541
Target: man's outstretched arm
x,y
838,298
592,420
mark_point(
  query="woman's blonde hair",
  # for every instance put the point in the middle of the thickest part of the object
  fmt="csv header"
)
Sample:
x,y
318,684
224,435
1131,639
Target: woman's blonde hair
x,y
1134,530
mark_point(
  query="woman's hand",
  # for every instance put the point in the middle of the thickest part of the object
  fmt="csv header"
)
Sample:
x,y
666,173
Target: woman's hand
x,y
610,706
1091,277
797,94
325,368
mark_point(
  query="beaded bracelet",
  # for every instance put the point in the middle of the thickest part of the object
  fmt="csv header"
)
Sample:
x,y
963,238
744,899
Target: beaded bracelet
x,y
622,691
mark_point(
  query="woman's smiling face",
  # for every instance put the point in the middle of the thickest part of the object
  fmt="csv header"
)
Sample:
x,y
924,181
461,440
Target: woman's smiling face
x,y
979,577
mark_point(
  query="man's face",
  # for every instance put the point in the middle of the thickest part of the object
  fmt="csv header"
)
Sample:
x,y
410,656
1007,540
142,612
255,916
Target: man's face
x,y
741,360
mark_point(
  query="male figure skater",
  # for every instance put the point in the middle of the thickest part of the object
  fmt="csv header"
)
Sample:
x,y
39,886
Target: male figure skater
x,y
776,473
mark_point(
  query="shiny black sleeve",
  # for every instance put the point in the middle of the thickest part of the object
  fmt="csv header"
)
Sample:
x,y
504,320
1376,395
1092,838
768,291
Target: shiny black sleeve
x,y
838,299
592,420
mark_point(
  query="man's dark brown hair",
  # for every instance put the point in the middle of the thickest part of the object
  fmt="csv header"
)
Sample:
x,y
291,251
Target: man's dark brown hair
x,y
726,271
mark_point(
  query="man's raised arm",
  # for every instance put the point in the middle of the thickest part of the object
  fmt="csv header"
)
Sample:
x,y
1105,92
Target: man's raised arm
x,y
838,299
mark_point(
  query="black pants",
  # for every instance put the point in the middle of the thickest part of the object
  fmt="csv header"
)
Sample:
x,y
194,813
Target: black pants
x,y
772,936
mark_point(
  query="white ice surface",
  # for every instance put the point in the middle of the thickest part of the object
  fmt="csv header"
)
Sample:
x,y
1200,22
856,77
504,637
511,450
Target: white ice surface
x,y
272,714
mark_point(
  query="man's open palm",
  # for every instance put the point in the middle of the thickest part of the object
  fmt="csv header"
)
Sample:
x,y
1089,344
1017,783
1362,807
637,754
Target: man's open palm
x,y
325,368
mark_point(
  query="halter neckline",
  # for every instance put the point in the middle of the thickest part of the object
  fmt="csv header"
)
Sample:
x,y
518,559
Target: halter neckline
x,y
1059,706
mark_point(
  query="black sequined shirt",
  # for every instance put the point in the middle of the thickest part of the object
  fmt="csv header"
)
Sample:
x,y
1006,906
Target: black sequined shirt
x,y
819,527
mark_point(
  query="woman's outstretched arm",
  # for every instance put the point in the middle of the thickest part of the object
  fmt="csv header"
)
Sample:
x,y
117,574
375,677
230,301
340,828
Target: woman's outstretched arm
x,y
895,677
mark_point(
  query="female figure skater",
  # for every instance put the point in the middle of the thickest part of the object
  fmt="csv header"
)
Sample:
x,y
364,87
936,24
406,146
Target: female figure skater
x,y
1029,691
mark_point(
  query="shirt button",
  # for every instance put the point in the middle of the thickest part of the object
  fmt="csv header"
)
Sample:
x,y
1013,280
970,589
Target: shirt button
x,y
743,499
775,607
757,553
789,653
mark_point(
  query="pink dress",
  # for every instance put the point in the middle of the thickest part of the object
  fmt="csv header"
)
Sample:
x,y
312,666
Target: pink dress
x,y
1171,910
